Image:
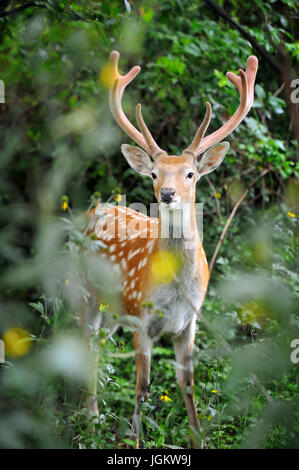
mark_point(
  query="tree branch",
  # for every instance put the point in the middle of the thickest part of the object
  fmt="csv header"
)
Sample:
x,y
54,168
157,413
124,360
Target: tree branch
x,y
16,10
282,65
261,175
245,33
216,199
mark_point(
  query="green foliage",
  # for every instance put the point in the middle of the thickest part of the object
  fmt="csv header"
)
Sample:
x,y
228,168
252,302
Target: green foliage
x,y
60,155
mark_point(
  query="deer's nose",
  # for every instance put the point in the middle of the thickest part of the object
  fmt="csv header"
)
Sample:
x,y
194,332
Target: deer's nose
x,y
167,194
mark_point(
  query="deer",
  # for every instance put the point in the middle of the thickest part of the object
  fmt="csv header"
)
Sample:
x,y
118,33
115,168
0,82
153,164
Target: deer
x,y
174,181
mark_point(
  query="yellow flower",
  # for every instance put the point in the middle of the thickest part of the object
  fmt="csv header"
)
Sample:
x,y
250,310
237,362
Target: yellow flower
x,y
64,203
17,342
107,76
103,306
64,206
67,282
165,397
214,391
164,266
117,197
102,342
291,214
218,195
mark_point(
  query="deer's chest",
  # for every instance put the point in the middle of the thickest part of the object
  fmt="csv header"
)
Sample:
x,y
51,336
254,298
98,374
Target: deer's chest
x,y
174,305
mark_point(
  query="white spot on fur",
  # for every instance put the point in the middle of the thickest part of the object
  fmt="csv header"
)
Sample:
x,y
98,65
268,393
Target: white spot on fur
x,y
150,246
131,273
133,253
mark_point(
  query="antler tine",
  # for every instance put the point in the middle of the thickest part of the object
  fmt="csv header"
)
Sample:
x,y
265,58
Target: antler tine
x,y
116,91
200,131
251,69
245,86
154,148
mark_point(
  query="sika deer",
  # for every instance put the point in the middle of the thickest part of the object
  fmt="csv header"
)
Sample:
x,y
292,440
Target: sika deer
x,y
135,240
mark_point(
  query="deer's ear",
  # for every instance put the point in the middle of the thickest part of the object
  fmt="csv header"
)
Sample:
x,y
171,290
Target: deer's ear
x,y
212,158
138,159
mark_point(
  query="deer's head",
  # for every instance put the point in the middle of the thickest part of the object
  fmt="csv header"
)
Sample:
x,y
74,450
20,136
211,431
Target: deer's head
x,y
175,177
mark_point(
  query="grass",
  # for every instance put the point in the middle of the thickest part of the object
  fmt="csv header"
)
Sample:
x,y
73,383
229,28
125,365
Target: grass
x,y
224,426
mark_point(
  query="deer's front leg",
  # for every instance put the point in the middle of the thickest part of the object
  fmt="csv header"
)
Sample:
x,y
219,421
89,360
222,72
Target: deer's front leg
x,y
183,346
143,349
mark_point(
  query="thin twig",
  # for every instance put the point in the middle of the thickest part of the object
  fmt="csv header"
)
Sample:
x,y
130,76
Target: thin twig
x,y
279,90
255,380
216,199
235,208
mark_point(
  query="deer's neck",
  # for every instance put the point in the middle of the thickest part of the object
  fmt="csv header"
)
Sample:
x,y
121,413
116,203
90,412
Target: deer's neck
x,y
178,229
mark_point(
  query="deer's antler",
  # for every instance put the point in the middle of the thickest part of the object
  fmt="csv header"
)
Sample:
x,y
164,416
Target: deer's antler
x,y
143,138
245,86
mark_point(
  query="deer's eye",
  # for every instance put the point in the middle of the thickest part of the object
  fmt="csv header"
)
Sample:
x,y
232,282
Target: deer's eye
x,y
190,175
154,176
